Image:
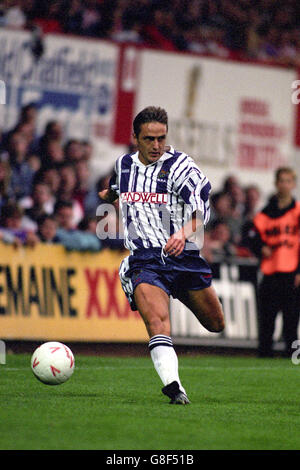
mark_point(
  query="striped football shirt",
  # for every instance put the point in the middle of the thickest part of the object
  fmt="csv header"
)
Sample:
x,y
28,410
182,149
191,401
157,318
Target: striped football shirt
x,y
156,200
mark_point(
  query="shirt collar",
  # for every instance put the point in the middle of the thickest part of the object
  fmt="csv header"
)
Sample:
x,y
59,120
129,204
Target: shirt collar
x,y
169,152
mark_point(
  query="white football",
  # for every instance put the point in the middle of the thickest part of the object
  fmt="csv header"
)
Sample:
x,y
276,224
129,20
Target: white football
x,y
53,363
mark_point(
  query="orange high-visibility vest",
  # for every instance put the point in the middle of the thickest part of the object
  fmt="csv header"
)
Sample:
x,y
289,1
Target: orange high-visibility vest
x,y
282,235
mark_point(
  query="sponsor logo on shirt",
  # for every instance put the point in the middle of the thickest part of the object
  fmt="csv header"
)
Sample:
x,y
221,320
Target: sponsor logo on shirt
x,y
151,198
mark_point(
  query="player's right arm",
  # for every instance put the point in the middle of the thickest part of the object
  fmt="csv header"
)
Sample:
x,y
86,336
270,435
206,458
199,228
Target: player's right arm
x,y
108,195
112,193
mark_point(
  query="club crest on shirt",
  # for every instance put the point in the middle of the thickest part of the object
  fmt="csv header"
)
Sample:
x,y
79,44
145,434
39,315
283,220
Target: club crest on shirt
x,y
163,175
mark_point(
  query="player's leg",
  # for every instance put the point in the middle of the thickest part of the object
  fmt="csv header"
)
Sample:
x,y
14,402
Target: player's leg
x,y
206,306
153,305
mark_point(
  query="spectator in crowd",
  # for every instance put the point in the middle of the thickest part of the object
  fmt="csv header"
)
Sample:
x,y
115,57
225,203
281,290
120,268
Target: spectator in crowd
x,y
91,19
288,53
229,28
218,241
6,191
85,193
21,172
13,224
256,29
115,25
162,31
131,25
88,224
14,16
66,191
28,114
253,38
28,125
274,238
234,190
73,150
70,236
87,150
252,201
73,19
51,176
47,228
48,18
34,162
221,208
26,130
269,48
40,202
63,212
53,152
252,206
54,132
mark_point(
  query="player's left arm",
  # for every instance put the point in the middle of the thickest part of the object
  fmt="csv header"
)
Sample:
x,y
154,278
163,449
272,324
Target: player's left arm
x,y
193,188
176,243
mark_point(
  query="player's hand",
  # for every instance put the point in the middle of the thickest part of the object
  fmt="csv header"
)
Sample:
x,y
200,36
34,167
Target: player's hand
x,y
175,245
104,194
108,195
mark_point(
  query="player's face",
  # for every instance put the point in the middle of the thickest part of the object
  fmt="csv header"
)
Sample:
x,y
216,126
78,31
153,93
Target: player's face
x,y
151,142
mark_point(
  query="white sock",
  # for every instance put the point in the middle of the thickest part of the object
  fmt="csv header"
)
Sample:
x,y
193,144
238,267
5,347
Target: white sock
x,y
165,359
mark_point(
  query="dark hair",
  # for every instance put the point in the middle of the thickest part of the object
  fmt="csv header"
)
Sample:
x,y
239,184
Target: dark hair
x,y
61,205
42,218
285,169
149,114
11,209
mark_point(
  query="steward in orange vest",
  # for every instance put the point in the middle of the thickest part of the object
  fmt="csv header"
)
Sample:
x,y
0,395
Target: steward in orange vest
x,y
274,239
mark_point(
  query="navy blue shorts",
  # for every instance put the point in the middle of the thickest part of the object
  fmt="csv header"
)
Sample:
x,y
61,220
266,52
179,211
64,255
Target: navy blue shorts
x,y
175,275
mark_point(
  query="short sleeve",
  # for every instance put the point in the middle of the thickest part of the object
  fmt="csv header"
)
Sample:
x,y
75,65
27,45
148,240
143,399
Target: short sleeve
x,y
114,180
194,189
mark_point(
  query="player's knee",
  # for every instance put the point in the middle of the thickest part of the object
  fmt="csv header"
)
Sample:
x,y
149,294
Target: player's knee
x,y
156,325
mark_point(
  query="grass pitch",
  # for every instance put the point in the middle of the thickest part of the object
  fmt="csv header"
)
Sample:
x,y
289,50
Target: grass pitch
x,y
113,403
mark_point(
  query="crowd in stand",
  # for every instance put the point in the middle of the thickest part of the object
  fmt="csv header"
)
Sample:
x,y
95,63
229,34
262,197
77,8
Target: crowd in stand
x,y
46,195
45,188
266,30
232,212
